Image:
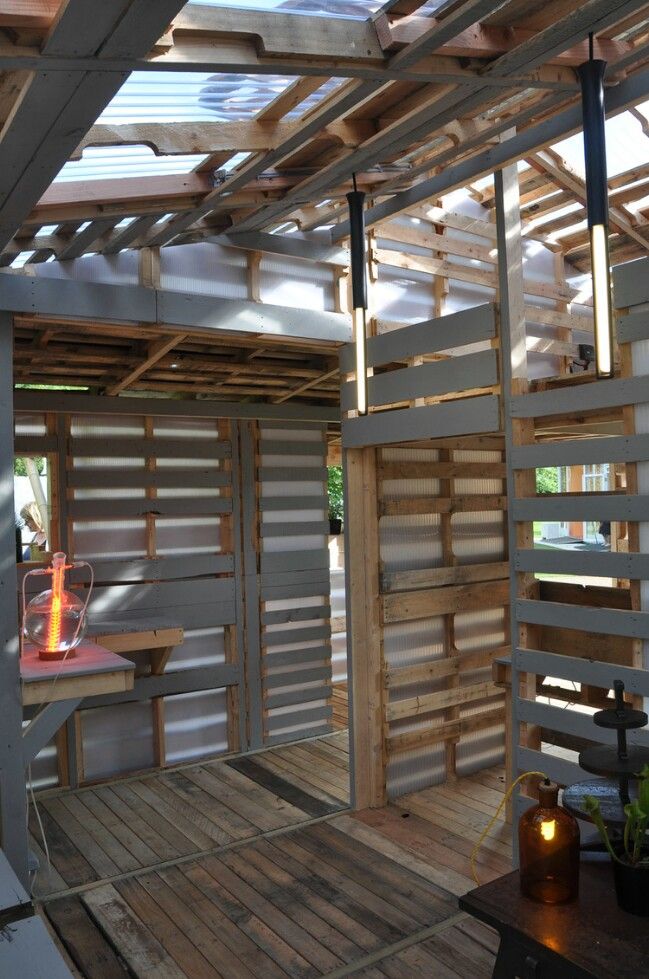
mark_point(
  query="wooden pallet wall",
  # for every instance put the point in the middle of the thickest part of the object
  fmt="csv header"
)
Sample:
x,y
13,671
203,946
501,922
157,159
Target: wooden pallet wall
x,y
426,554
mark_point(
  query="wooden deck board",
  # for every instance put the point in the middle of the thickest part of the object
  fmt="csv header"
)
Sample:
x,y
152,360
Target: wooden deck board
x,y
135,823
369,894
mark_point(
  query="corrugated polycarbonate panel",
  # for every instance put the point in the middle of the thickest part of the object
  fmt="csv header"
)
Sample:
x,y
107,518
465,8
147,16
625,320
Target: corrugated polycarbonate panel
x,y
296,653
117,739
120,162
415,771
289,282
355,9
195,725
30,424
205,268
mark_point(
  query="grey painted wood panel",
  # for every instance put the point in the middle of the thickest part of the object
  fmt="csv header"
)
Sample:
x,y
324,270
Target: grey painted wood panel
x,y
310,502
468,416
135,447
477,370
577,452
299,614
310,560
612,393
605,563
90,404
306,716
558,769
182,477
29,951
582,670
309,675
210,313
289,698
170,683
108,509
632,327
444,333
631,283
615,622
285,474
572,722
157,569
268,446
287,637
590,506
300,528
293,657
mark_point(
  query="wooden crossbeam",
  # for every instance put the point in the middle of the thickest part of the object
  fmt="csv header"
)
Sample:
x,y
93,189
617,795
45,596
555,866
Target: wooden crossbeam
x,y
155,352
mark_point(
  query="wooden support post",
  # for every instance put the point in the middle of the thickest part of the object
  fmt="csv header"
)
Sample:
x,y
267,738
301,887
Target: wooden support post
x,y
13,795
517,431
366,666
254,276
149,267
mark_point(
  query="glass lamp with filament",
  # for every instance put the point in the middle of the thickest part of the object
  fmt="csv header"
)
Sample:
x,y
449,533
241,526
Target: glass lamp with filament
x,y
55,620
549,849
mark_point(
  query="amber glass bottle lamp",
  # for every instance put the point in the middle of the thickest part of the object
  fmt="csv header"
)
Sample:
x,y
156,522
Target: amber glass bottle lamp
x,y
549,849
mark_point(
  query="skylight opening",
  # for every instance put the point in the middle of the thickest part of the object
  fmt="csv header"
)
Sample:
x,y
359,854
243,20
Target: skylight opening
x,y
113,162
21,259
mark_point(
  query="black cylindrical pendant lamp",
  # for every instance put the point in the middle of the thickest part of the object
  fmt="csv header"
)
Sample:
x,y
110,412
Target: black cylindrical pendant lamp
x,y
356,200
591,75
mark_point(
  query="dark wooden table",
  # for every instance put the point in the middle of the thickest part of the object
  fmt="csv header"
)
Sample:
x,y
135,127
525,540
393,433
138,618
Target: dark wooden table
x,y
588,939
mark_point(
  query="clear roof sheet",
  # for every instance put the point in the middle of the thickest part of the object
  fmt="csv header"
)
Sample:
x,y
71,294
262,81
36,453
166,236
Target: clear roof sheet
x,y
626,145
106,162
358,9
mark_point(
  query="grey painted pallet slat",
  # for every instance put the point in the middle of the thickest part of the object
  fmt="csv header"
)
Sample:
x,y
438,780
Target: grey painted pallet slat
x,y
307,675
631,283
190,506
274,504
159,594
431,336
305,732
185,477
282,474
156,569
589,506
633,327
468,416
136,447
613,393
299,528
286,637
292,657
476,370
579,670
90,404
299,614
572,722
575,452
41,444
294,697
558,769
615,622
187,616
305,424
607,564
284,447
282,561
308,589
169,684
275,721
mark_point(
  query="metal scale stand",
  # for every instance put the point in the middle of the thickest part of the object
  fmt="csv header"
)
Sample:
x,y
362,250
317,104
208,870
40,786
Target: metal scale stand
x,y
617,766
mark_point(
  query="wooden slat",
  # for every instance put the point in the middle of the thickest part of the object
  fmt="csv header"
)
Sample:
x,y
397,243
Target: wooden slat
x,y
438,601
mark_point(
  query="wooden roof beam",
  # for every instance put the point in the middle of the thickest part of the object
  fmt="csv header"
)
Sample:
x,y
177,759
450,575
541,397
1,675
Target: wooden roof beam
x,y
480,41
156,350
54,110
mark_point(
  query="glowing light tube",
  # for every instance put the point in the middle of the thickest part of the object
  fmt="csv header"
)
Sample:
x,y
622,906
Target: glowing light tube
x,y
602,307
356,200
591,75
361,361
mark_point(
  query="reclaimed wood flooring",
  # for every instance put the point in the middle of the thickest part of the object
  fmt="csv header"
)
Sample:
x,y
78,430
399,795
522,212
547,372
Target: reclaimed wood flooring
x,y
370,894
129,824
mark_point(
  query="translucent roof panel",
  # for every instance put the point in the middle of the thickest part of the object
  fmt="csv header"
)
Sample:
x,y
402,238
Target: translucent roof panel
x,y
162,96
106,162
626,145
357,9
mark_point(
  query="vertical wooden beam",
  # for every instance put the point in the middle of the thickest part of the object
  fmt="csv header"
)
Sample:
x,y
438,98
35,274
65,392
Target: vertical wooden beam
x,y
365,661
517,431
254,276
13,795
149,267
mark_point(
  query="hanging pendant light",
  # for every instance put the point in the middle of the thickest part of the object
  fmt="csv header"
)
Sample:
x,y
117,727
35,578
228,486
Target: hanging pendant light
x,y
356,200
591,75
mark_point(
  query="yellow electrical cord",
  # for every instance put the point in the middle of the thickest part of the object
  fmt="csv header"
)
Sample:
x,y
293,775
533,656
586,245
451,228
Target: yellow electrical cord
x,y
493,819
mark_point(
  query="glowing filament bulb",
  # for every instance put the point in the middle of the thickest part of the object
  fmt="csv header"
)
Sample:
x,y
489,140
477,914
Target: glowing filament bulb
x,y
54,627
548,827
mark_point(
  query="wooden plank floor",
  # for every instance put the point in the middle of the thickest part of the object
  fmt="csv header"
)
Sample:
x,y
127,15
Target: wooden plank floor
x,y
130,824
370,894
